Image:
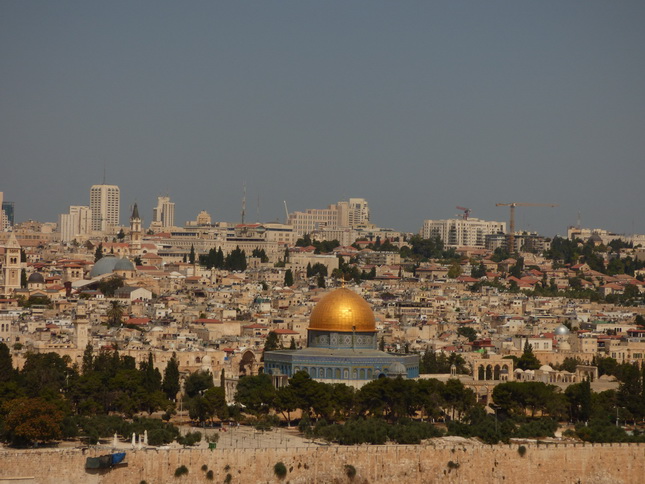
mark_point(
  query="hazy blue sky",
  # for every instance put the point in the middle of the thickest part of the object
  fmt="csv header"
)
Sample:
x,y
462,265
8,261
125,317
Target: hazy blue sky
x,y
415,106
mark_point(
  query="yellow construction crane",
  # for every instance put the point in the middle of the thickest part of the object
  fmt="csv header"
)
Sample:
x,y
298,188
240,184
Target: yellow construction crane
x,y
511,232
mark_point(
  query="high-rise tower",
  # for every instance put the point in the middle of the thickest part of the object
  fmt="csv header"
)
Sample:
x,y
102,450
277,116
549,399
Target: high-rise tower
x,y
163,215
105,205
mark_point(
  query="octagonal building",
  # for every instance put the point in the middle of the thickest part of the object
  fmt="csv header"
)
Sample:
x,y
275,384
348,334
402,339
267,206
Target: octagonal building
x,y
341,346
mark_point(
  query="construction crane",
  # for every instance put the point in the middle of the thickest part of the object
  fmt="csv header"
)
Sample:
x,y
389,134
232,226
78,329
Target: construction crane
x,y
512,205
466,212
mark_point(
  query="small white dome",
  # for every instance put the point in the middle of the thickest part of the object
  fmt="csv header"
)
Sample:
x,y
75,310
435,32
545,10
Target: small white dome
x,y
561,330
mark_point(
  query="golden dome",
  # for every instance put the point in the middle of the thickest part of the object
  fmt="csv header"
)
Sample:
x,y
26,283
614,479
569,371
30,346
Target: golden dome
x,y
342,310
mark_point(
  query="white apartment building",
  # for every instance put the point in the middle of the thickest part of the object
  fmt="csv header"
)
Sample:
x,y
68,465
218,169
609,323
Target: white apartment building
x,y
76,224
105,205
163,215
353,213
456,233
356,212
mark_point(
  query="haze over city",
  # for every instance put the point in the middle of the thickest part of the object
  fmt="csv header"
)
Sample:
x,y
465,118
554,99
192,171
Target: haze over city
x,y
415,106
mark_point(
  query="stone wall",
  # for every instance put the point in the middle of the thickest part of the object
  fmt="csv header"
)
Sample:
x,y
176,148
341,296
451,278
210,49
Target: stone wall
x,y
446,462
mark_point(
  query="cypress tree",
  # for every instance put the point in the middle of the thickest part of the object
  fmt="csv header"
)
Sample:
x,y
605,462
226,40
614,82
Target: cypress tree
x,y
288,278
170,385
98,253
151,381
7,371
88,359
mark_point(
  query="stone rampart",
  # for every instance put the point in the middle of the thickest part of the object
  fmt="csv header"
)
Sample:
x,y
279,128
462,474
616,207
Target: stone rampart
x,y
445,462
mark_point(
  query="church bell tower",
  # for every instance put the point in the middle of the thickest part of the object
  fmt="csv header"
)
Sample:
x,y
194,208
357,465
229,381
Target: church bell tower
x,y
135,232
11,265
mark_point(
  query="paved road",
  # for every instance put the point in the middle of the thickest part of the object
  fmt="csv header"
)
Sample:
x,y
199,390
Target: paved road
x,y
249,438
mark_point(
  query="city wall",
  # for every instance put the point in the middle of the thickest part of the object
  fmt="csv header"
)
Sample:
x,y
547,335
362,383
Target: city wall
x,y
447,462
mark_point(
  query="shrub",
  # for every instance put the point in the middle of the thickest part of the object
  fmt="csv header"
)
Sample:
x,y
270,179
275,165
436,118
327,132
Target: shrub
x,y
204,467
453,465
350,471
228,479
181,471
521,450
280,470
190,439
212,438
210,476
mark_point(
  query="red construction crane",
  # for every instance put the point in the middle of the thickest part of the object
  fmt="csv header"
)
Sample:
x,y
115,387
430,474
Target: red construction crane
x,y
511,231
466,212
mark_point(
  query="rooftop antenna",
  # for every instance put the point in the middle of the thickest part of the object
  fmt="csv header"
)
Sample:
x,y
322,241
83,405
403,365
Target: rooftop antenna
x,y
244,203
258,209
579,222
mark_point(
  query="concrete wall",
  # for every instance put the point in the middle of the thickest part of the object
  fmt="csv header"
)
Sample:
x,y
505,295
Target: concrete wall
x,y
556,463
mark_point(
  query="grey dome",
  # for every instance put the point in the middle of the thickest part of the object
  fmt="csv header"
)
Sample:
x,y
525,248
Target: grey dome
x,y
36,278
124,265
561,330
397,368
104,265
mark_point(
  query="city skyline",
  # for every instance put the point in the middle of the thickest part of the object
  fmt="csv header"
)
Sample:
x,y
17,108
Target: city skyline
x,y
417,108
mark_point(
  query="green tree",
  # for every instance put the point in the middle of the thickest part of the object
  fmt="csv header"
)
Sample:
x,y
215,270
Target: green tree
x,y
286,402
45,374
7,371
261,254
391,398
479,271
197,382
115,314
272,342
458,398
256,393
171,385
321,281
467,332
109,286
517,269
236,260
98,253
454,271
580,401
528,361
151,378
216,397
630,392
304,241
191,254
288,278
88,359
29,420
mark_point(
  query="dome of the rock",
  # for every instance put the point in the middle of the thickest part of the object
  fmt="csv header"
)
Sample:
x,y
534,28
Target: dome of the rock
x,y
342,310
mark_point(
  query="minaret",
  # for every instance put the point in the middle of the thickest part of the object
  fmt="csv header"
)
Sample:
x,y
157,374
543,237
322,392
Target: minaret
x,y
12,266
81,327
135,232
